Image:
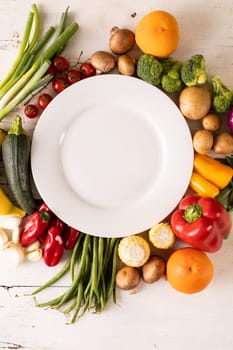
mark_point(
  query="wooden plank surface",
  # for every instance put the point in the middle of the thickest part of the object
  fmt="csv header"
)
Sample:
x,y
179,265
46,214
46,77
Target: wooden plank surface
x,y
156,317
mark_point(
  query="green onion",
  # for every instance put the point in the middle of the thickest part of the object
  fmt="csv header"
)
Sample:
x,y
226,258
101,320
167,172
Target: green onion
x,y
26,73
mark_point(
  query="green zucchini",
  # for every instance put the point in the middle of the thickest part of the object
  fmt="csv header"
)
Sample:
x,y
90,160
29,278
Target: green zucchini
x,y
16,150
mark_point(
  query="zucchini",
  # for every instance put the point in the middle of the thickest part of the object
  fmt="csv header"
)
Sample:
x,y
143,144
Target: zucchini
x,y
16,150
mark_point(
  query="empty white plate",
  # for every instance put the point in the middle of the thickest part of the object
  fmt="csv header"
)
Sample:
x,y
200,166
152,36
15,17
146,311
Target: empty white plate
x,y
112,155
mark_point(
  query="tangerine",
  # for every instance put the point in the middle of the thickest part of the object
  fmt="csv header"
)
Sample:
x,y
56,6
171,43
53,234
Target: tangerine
x,y
189,270
157,33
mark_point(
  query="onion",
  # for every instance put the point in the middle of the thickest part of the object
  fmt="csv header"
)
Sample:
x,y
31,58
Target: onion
x,y
230,119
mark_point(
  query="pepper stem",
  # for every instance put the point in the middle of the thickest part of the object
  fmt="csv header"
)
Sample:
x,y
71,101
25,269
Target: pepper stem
x,y
193,213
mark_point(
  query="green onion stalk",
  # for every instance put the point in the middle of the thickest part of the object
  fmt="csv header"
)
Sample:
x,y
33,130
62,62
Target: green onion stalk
x,y
28,71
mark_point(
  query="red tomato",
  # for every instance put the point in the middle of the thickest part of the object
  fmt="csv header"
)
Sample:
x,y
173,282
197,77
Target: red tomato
x,y
73,76
60,63
87,70
31,111
51,70
59,84
43,100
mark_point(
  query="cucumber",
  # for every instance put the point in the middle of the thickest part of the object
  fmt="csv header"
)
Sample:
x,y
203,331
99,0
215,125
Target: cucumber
x,y
16,150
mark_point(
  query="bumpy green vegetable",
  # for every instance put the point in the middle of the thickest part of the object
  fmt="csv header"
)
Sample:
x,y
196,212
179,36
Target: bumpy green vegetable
x,y
193,71
149,69
222,96
171,81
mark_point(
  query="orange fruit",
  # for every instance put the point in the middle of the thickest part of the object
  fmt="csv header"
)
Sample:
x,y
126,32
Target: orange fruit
x,y
157,33
189,270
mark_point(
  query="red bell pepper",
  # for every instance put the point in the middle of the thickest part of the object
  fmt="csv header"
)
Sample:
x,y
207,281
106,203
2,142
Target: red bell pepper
x,y
53,244
35,225
70,237
202,222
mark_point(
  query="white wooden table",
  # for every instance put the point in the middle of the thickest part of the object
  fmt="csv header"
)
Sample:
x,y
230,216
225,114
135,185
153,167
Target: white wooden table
x,y
156,317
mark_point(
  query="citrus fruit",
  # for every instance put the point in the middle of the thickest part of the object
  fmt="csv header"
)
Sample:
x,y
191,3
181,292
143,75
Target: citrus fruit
x,y
157,33
189,270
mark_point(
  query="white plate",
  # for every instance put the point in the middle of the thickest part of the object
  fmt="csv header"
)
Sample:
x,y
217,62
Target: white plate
x,y
112,155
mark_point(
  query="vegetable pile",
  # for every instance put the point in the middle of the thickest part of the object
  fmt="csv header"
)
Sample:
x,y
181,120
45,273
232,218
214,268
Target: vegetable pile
x,y
29,230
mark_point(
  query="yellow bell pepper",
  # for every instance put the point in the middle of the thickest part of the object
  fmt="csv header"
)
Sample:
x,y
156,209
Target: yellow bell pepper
x,y
202,186
212,170
7,207
2,136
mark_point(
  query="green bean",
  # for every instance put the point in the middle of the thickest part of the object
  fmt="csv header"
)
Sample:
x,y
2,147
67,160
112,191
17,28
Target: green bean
x,y
79,301
95,268
78,245
112,284
93,282
54,279
51,303
74,285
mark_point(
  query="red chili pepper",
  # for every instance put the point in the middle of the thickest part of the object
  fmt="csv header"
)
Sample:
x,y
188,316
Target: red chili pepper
x,y
43,206
202,222
70,237
34,226
53,244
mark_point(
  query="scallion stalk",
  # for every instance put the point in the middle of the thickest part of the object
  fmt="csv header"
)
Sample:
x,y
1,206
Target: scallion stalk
x,y
26,73
24,44
34,83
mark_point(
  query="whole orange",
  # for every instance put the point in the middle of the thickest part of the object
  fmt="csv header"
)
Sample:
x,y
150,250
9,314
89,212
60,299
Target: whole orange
x,y
189,270
157,33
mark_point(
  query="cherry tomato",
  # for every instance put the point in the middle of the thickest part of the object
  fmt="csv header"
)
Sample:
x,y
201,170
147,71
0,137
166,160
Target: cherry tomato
x,y
43,100
60,63
51,70
59,84
74,75
87,70
31,111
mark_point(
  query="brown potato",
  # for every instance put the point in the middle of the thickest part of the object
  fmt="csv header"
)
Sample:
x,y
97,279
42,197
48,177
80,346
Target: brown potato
x,y
223,143
195,102
203,141
154,269
212,122
127,278
121,40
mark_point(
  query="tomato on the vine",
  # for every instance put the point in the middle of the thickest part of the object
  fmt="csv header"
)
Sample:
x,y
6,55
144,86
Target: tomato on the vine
x,y
59,84
43,100
31,111
74,75
87,70
60,63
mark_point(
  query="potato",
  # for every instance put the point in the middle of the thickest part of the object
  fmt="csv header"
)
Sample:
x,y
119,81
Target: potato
x,y
223,143
203,141
212,122
154,269
127,278
195,102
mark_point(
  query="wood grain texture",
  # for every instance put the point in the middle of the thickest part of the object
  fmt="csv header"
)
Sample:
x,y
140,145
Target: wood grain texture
x,y
156,317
